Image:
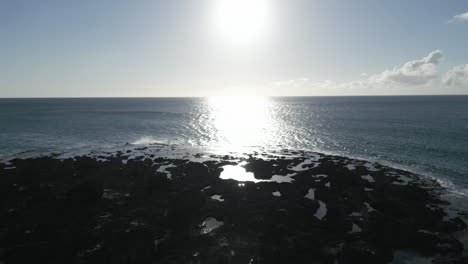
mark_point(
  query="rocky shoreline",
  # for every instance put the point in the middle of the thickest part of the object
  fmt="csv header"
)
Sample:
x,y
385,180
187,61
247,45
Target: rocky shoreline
x,y
304,208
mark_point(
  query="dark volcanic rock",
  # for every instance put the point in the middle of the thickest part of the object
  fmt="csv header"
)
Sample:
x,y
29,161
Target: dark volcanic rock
x,y
335,211
262,169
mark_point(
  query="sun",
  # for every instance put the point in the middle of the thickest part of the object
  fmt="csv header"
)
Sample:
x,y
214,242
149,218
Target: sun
x,y
241,21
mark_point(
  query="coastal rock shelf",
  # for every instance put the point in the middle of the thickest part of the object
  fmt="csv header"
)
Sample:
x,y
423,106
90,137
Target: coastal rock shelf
x,y
297,208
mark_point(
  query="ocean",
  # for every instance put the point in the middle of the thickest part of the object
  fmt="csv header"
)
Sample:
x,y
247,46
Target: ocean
x,y
427,135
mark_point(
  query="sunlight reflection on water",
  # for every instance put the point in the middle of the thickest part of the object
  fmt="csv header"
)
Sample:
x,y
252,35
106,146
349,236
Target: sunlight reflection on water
x,y
245,124
237,122
238,173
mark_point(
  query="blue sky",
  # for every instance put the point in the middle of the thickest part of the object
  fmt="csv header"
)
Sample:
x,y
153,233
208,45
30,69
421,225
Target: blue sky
x,y
174,48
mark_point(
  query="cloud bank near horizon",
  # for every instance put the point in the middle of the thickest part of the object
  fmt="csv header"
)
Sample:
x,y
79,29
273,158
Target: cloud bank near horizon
x,y
416,73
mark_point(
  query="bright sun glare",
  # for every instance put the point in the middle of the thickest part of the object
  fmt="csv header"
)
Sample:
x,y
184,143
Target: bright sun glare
x,y
241,121
241,21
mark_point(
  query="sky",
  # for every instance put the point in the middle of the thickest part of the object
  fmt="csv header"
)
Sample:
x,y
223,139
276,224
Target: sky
x,y
115,48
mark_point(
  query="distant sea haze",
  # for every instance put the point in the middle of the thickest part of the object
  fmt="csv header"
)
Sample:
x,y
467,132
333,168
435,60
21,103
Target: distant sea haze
x,y
424,134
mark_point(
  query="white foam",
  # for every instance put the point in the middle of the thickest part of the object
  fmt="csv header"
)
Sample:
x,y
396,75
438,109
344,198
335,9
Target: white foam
x,y
370,167
327,184
428,232
310,194
210,224
321,211
368,178
320,176
136,223
105,216
95,248
355,214
217,197
300,166
163,169
111,195
206,188
147,140
350,167
280,179
403,180
238,173
277,194
314,156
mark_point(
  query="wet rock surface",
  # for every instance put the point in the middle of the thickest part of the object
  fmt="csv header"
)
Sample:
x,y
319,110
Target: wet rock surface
x,y
114,210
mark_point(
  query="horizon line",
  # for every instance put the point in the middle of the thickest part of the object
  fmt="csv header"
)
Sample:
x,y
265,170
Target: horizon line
x,y
273,96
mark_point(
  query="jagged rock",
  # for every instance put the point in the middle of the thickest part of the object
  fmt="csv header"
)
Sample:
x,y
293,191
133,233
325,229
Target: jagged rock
x,y
86,211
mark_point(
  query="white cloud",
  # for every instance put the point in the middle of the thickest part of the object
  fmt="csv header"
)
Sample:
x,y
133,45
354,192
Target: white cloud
x,y
415,72
293,82
459,18
457,76
410,78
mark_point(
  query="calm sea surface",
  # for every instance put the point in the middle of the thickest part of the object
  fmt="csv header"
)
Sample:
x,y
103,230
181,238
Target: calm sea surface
x,y
425,134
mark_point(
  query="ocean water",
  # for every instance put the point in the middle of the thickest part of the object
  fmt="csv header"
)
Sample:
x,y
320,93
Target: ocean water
x,y
424,134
